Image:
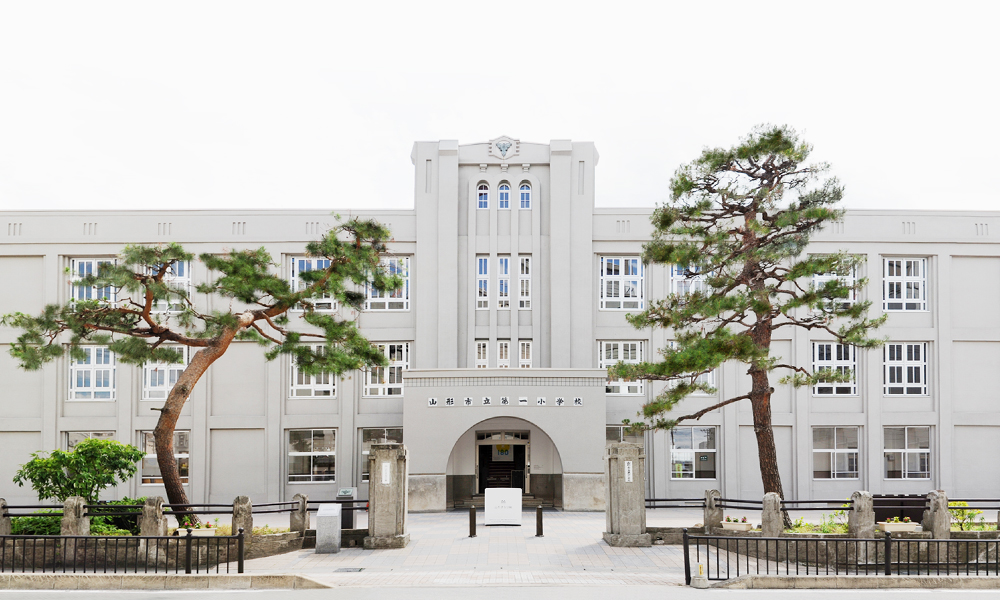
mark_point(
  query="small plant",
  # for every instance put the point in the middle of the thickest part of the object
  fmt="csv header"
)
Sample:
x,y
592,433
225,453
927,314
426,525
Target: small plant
x,y
964,517
743,520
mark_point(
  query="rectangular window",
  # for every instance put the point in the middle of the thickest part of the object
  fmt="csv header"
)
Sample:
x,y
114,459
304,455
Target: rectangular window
x,y
82,267
524,361
686,280
397,299
905,284
503,282
837,358
819,280
182,448
312,455
159,378
72,438
610,353
482,283
621,283
835,452
377,435
524,282
705,378
321,385
93,376
482,354
905,369
692,453
178,277
388,380
503,354
907,452
621,433
305,264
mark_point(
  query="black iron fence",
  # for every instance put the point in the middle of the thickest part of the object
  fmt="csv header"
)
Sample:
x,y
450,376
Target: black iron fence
x,y
675,503
121,554
726,557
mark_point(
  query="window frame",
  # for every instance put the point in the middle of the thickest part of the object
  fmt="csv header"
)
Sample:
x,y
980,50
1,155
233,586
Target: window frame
x,y
893,285
621,436
618,349
682,285
524,283
90,370
179,282
525,195
315,383
324,303
483,196
503,196
482,282
108,294
693,452
503,354
169,368
482,354
395,369
909,366
820,279
102,435
312,453
833,452
503,283
147,442
834,364
618,301
384,301
524,354
905,452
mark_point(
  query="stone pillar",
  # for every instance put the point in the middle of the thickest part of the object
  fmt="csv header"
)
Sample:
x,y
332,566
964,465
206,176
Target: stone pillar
x,y
625,498
328,530
4,519
937,519
771,521
73,521
299,520
713,514
388,497
152,522
243,517
861,518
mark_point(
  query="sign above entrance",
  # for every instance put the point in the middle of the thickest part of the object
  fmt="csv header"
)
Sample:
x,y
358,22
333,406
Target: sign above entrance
x,y
503,453
503,506
504,401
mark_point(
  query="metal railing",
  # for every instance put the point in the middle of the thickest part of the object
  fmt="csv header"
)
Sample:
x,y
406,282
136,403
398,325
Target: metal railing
x,y
121,554
675,503
725,557
845,505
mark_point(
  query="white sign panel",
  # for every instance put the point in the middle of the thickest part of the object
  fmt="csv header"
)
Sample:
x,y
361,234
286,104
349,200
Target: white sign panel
x,y
385,473
503,506
628,471
503,453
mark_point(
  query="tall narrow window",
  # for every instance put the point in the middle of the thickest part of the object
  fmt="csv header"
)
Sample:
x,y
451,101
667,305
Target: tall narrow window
x,y
907,452
320,385
503,354
182,454
81,268
378,435
92,376
525,195
837,358
503,282
503,196
388,380
312,455
305,264
482,283
835,452
524,283
159,378
524,361
484,195
621,283
397,299
692,453
905,284
482,354
610,354
906,369
687,280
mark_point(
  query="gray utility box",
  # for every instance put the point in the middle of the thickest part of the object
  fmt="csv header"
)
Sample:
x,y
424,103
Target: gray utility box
x,y
347,516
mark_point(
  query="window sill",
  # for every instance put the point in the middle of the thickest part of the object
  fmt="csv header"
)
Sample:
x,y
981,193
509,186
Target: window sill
x,y
836,478
100,400
331,482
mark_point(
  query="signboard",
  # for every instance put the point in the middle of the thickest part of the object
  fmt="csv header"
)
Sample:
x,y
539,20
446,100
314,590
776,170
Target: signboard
x,y
386,468
503,506
628,471
503,453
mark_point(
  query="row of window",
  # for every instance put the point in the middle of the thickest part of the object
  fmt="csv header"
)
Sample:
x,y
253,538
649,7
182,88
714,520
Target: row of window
x,y
905,451
503,354
503,282
503,196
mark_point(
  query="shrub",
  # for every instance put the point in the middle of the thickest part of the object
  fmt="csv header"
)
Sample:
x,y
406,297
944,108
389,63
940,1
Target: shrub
x,y
129,523
93,465
40,525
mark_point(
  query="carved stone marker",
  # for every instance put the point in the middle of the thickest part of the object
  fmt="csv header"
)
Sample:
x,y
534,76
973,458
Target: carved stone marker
x,y
861,517
152,522
388,495
299,520
625,473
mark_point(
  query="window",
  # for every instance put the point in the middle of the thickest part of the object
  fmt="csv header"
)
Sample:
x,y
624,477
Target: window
x,y
482,354
621,433
692,453
388,380
835,452
93,376
503,282
907,452
621,283
312,455
819,280
524,361
159,378
182,448
524,283
321,385
82,267
839,358
72,438
397,299
905,284
178,277
484,195
705,378
482,283
376,436
906,369
686,280
503,354
525,195
610,353
304,264
503,196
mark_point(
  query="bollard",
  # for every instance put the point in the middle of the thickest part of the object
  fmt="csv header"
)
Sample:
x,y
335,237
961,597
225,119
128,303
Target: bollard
x,y
538,522
240,549
472,521
187,552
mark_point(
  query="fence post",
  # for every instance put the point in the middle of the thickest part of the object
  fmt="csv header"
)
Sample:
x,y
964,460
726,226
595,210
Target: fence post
x,y
888,553
713,514
239,551
187,552
687,558
861,518
771,522
299,518
937,519
243,516
4,519
538,522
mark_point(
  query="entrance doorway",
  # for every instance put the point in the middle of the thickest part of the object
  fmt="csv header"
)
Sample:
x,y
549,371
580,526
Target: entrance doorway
x,y
503,460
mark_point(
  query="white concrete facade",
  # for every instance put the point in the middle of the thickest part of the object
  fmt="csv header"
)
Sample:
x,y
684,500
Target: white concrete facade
x,y
242,413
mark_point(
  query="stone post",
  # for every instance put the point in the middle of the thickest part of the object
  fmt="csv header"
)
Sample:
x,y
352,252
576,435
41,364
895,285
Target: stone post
x,y
771,521
299,520
73,523
243,517
713,514
625,499
4,519
861,518
328,530
388,497
152,522
937,519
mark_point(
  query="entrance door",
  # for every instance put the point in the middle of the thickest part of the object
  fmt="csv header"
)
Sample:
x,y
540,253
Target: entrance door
x,y
514,473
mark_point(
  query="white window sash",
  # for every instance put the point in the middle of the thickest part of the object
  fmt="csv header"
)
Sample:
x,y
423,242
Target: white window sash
x,y
503,196
687,458
611,353
524,356
388,380
482,196
681,284
93,378
904,285
321,385
923,456
525,196
147,444
159,378
301,264
312,476
503,283
820,279
905,371
391,300
482,283
621,282
80,268
503,354
524,282
482,354
841,358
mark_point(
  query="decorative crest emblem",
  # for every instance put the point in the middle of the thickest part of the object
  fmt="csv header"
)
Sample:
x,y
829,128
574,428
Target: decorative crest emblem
x,y
504,147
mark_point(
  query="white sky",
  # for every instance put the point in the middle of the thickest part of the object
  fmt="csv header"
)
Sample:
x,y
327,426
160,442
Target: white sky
x,y
317,104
